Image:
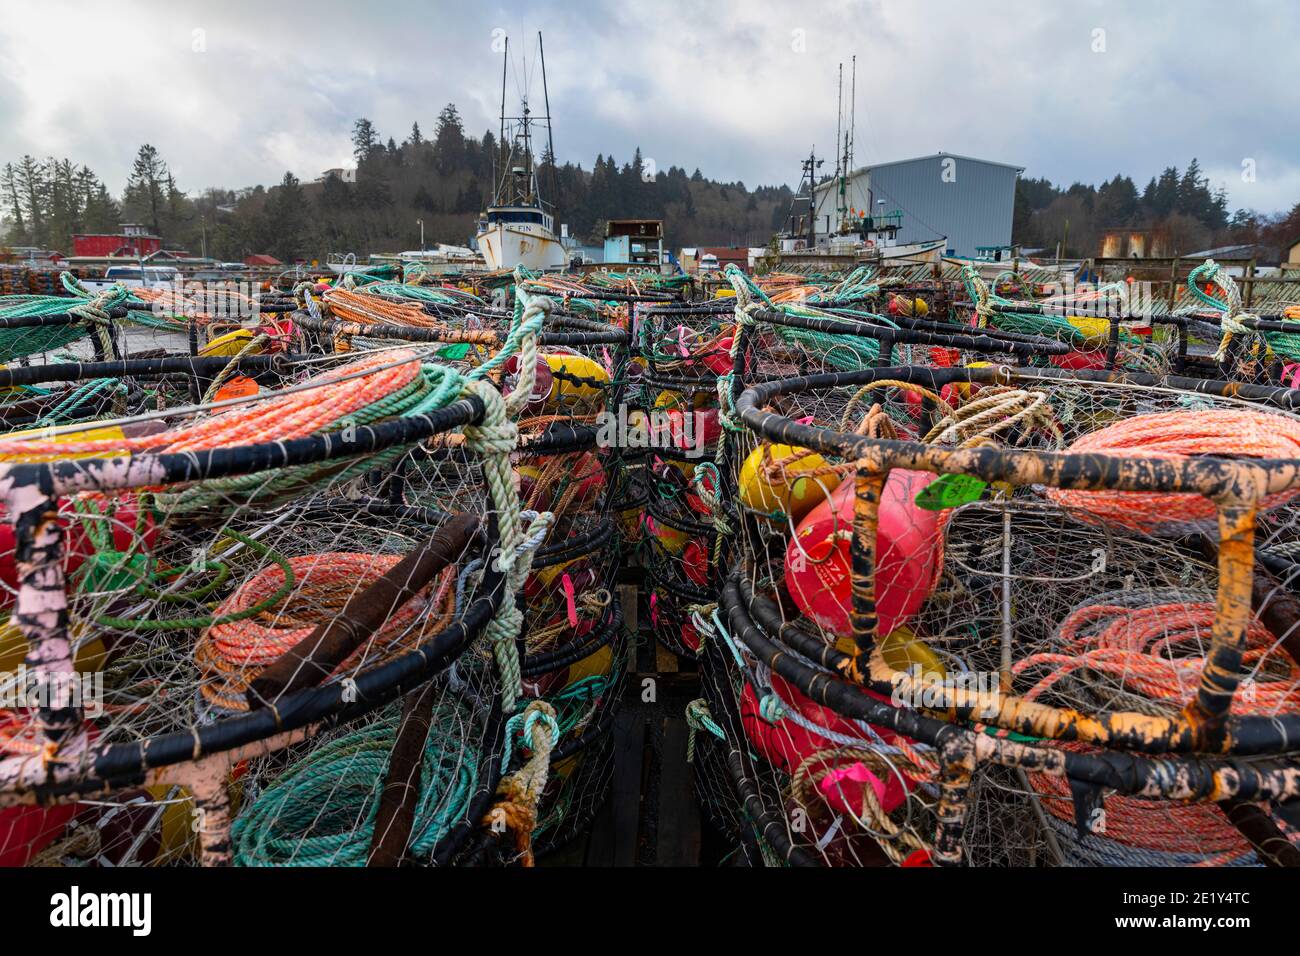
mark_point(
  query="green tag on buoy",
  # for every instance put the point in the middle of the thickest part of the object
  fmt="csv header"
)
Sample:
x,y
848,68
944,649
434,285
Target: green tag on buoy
x,y
950,491
455,352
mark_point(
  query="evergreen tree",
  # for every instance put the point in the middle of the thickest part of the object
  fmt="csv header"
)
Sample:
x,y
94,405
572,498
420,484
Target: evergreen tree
x,y
287,214
449,140
32,193
365,139
146,190
12,205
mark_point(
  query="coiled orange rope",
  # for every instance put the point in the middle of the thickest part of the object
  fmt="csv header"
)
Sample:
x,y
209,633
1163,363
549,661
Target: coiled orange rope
x,y
366,309
290,416
168,301
232,654
1179,436
1159,828
1158,651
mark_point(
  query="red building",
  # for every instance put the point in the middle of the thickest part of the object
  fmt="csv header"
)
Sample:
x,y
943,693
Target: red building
x,y
261,260
133,240
728,255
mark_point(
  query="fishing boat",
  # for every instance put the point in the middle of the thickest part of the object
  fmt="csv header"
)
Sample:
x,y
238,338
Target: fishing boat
x,y
443,258
517,229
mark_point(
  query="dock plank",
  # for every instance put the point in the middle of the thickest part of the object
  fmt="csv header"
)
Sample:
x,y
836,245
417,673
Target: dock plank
x,y
679,815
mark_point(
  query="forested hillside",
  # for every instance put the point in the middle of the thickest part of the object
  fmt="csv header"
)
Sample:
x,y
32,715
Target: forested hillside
x,y
444,179
1181,204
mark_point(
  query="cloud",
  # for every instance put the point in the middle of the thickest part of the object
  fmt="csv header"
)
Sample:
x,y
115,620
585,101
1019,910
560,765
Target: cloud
x,y
236,93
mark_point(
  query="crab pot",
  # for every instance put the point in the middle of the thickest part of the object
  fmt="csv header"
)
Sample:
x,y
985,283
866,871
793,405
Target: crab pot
x,y
219,591
1088,589
582,767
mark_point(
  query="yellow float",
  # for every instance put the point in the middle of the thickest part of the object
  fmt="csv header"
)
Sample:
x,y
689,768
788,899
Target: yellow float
x,y
794,497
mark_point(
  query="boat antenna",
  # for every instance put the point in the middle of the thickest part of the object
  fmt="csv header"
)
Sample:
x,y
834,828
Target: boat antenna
x,y
853,109
497,173
853,120
550,136
839,126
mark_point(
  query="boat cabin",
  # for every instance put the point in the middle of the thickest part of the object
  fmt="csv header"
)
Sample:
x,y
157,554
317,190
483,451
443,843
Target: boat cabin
x,y
518,214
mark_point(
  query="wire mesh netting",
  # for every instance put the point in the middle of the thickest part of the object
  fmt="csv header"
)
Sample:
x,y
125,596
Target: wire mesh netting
x,y
974,570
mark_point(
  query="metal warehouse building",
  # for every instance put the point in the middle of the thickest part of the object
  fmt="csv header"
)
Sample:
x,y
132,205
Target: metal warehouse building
x,y
971,201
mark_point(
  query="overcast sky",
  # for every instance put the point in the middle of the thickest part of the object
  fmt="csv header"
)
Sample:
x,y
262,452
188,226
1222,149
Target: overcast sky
x,y
233,93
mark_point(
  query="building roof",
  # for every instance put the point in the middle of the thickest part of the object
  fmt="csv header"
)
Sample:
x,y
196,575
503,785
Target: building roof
x,y
115,235
969,159
1246,251
917,159
262,260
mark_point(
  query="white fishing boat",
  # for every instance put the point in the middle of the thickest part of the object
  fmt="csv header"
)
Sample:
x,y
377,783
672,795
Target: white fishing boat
x,y
517,229
928,251
520,235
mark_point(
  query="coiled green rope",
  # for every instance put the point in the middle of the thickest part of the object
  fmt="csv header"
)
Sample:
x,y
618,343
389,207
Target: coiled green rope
x,y
322,811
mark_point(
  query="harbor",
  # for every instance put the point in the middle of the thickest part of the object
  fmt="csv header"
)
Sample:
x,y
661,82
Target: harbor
x,y
449,501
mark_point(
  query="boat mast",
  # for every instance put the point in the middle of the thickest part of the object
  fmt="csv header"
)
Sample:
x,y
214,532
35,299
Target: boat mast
x,y
853,119
853,109
809,167
497,173
550,136
839,142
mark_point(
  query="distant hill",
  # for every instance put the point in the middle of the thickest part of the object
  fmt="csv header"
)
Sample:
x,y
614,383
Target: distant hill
x,y
445,181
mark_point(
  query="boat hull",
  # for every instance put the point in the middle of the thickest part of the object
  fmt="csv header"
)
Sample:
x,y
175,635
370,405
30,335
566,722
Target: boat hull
x,y
520,244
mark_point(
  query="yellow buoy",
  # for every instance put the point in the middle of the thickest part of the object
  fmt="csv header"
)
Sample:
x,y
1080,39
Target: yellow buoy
x,y
88,656
569,393
794,497
178,838
902,650
1095,330
111,433
229,344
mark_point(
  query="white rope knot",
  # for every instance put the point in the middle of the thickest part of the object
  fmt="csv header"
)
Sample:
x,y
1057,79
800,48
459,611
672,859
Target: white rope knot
x,y
540,730
302,293
1233,316
979,291
96,310
494,440
522,790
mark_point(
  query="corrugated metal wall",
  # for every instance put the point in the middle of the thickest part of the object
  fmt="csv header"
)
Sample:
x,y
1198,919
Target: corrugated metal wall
x,y
974,209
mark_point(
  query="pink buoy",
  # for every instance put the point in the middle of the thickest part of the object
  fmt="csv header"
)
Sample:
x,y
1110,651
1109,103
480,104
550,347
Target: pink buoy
x,y
718,360
541,387
908,543
843,787
1076,360
786,744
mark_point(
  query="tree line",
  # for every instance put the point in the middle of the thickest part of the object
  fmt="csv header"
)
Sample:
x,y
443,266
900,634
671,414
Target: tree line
x,y
1180,204
443,181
